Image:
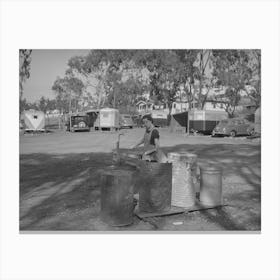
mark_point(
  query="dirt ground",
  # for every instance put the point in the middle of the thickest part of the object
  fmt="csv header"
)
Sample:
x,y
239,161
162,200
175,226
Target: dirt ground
x,y
59,182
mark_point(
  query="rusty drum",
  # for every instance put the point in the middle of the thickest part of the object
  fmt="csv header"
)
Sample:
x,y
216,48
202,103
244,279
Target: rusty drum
x,y
117,197
155,187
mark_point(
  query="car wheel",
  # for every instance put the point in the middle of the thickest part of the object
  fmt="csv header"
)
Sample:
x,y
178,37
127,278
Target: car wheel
x,y
251,132
232,133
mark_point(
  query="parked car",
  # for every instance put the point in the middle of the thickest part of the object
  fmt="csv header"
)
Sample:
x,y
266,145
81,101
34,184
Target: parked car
x,y
233,127
126,121
78,122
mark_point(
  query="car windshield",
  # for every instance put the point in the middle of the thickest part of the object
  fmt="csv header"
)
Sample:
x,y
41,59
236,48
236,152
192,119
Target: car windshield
x,y
223,122
78,119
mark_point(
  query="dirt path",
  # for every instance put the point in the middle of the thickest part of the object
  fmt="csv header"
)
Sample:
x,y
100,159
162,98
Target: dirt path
x,y
59,181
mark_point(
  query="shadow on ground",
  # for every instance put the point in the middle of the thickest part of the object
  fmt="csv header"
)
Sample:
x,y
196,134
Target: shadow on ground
x,y
62,192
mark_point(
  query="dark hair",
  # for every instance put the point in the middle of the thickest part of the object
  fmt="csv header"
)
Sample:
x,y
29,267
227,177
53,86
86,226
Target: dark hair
x,y
148,117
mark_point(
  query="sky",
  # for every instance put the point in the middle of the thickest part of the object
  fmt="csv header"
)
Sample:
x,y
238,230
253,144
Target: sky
x,y
46,66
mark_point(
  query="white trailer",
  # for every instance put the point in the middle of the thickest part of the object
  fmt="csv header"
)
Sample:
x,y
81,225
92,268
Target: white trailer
x,y
109,118
33,120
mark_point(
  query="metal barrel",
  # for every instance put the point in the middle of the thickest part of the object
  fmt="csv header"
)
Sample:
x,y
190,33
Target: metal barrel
x,y
133,158
155,183
183,191
192,159
211,186
117,197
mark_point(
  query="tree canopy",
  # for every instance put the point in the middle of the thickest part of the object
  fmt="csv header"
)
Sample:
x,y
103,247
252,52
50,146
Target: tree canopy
x,y
118,78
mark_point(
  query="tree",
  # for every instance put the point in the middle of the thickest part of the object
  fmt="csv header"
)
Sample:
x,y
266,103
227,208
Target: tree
x,y
254,91
68,89
127,94
202,76
24,105
233,73
43,104
24,68
102,72
164,77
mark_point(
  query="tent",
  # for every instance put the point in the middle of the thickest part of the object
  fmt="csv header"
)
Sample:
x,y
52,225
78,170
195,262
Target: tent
x,y
33,120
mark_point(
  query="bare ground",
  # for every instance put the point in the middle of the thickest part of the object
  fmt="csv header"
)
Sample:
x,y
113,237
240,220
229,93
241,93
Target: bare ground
x,y
59,182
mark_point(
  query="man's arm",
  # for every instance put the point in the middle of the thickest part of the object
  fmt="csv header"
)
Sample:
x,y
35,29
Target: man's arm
x,y
139,143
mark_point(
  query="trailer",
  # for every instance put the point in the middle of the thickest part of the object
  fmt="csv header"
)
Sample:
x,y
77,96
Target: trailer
x,y
159,118
204,121
33,120
109,119
179,122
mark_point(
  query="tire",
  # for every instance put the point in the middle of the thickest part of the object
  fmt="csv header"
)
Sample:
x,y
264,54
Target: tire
x,y
251,132
232,133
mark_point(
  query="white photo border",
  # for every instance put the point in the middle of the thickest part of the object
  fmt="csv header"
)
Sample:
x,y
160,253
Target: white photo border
x,y
143,24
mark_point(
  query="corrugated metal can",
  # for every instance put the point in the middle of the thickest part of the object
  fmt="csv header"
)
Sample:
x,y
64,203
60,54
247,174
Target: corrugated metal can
x,y
117,197
211,186
192,159
183,191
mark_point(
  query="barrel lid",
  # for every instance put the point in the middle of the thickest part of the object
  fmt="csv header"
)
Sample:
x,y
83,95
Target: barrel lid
x,y
188,154
211,168
182,154
118,170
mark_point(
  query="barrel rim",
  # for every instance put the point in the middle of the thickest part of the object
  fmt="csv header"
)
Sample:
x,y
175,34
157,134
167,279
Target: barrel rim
x,y
216,169
182,154
117,170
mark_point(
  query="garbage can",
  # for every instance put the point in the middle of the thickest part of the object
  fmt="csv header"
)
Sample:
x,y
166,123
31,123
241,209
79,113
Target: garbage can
x,y
117,197
211,185
155,187
183,191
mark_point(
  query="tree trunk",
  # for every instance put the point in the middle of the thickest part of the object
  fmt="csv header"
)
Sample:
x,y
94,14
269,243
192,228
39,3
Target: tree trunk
x,y
114,102
188,128
20,97
169,113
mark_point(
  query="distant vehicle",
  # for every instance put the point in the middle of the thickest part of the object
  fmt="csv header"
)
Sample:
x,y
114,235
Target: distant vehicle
x,y
126,121
233,127
78,122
